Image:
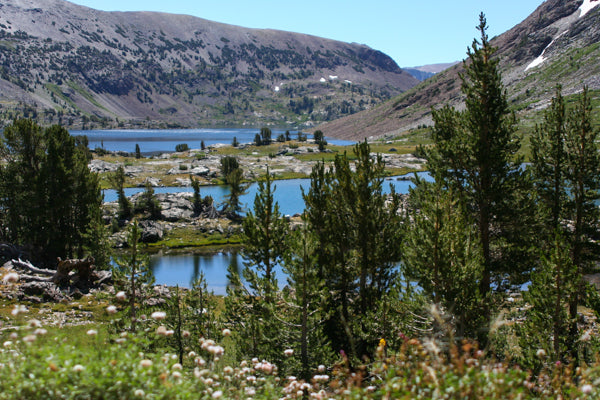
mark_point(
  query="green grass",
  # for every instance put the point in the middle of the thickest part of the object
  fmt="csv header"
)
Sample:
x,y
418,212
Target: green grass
x,y
189,237
86,95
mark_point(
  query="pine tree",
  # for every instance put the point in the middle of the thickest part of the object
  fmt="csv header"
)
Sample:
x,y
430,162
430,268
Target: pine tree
x,y
319,139
138,153
250,306
148,203
583,176
133,275
300,309
197,202
547,322
440,252
264,230
548,160
50,199
228,165
237,189
265,136
117,180
475,154
357,228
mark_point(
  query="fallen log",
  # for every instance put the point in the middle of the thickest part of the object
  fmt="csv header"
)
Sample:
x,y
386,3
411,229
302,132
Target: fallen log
x,y
30,267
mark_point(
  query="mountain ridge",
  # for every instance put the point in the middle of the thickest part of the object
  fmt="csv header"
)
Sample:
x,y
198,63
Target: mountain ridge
x,y
571,59
78,65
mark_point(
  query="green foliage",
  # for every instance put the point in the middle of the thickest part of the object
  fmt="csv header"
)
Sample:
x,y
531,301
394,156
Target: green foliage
x,y
235,142
257,140
182,147
357,228
250,304
228,165
117,180
549,166
320,140
566,166
50,200
197,198
138,153
475,154
148,203
132,274
441,253
265,136
237,189
301,307
547,322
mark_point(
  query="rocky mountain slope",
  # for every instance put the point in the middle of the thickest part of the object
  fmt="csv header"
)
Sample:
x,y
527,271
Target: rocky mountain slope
x,y
60,62
558,43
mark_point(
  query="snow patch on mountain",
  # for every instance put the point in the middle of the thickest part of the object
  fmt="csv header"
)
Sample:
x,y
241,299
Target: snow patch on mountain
x,y
541,58
587,6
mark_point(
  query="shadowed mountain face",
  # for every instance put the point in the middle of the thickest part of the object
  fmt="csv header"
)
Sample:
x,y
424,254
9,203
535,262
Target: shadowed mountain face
x,y
78,66
557,43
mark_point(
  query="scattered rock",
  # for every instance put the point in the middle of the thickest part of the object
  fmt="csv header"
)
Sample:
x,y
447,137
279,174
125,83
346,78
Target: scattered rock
x,y
154,182
200,170
47,291
152,231
102,166
176,206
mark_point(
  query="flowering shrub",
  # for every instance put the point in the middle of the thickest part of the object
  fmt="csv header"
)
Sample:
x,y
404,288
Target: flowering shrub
x,y
90,363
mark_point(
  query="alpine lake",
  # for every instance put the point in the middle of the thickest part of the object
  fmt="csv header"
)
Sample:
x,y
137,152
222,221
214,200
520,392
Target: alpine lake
x,y
182,268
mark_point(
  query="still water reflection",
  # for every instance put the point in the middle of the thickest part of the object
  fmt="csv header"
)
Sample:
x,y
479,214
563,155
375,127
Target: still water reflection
x,y
184,269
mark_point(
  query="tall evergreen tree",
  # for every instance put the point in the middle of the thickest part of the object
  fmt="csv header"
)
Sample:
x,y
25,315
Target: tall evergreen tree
x,y
133,275
237,189
300,309
117,180
441,253
549,164
475,154
50,199
357,228
264,231
148,203
228,165
583,175
547,321
250,303
265,135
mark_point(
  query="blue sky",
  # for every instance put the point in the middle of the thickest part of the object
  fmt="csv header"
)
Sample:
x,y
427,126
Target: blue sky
x,y
415,32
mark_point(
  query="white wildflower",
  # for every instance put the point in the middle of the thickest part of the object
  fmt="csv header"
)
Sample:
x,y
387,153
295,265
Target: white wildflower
x,y
78,368
541,353
159,315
